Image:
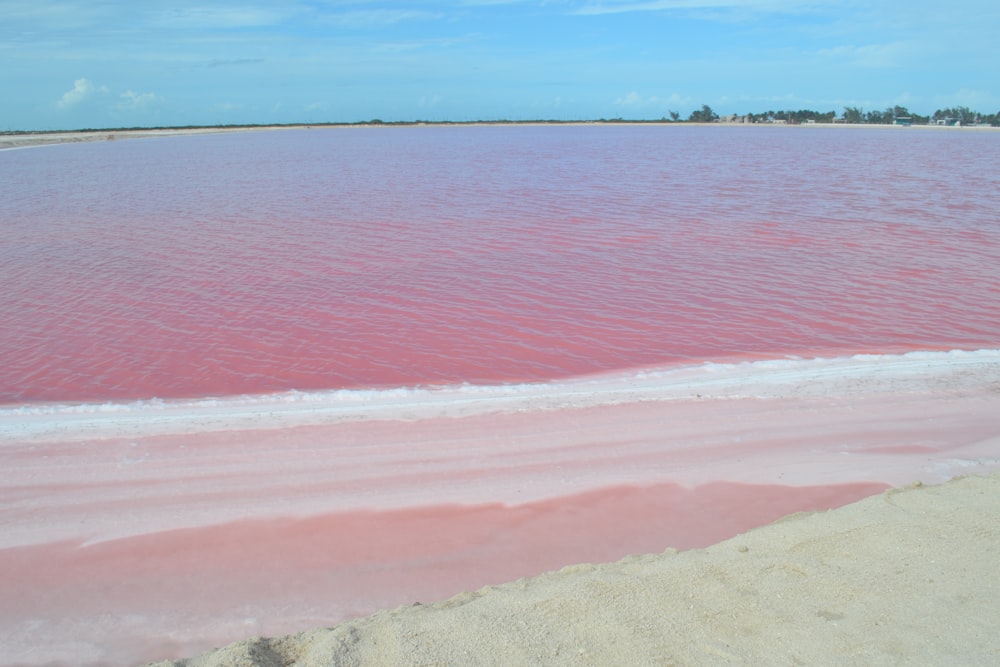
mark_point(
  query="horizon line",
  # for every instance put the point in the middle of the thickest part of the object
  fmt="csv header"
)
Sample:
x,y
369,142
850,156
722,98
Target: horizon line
x,y
375,122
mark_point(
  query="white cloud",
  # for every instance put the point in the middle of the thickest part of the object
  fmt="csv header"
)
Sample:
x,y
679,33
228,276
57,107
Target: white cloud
x,y
978,100
201,17
436,42
81,90
84,89
869,55
133,100
617,7
634,100
366,18
228,62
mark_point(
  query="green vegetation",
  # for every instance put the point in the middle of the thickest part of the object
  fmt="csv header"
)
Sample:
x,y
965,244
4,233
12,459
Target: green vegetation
x,y
703,115
890,116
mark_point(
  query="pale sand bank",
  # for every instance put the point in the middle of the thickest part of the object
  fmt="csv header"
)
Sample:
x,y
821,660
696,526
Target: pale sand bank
x,y
29,139
906,577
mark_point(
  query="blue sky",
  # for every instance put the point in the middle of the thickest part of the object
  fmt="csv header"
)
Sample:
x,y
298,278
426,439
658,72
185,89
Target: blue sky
x,y
67,64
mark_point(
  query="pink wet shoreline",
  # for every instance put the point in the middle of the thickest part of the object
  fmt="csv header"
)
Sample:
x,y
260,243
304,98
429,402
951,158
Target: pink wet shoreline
x,y
143,547
281,576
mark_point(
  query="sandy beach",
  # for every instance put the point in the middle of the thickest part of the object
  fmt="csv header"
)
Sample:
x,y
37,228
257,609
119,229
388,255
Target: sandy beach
x,y
30,139
905,577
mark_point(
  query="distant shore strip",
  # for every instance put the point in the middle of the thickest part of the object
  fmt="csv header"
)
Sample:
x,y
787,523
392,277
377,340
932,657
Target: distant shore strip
x,y
26,139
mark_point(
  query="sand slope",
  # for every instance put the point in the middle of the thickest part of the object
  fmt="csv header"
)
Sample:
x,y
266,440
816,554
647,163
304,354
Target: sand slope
x,y
906,577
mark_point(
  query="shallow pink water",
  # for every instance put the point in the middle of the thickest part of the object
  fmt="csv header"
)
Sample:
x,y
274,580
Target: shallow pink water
x,y
132,548
280,576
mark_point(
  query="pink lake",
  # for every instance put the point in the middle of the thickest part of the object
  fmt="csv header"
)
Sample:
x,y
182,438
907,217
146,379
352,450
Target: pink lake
x,y
257,382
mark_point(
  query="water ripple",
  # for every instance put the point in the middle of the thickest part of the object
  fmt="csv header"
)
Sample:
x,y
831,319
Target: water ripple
x,y
325,259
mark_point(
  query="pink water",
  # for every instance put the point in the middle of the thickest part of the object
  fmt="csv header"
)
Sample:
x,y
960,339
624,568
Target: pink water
x,y
545,345
324,259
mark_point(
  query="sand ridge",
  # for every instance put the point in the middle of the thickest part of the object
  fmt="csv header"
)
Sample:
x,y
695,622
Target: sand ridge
x,y
905,577
11,140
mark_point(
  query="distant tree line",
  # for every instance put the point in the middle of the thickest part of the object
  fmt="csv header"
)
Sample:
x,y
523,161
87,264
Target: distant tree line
x,y
951,116
856,115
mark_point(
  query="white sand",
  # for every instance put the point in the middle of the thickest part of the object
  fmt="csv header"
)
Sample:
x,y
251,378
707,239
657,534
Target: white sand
x,y
32,139
29,139
906,577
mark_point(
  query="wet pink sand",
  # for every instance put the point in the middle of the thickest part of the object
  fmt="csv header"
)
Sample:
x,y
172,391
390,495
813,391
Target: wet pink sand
x,y
143,547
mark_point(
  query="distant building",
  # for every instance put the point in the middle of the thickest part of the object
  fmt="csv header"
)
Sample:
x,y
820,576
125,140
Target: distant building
x,y
905,121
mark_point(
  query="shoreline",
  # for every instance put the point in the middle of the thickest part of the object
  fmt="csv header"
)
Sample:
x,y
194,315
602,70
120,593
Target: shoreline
x,y
898,577
18,140
925,371
195,539
32,139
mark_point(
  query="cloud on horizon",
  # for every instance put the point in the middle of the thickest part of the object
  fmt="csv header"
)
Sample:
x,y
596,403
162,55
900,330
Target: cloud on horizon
x,y
870,55
81,90
634,100
90,98
133,100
